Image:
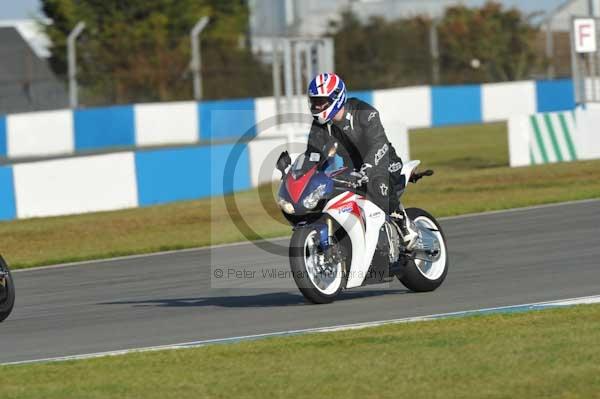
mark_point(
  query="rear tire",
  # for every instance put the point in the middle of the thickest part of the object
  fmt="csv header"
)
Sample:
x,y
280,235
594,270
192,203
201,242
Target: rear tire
x,y
421,276
303,270
7,292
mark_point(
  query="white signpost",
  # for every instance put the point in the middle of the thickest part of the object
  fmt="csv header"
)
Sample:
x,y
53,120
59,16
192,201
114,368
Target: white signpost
x,y
585,57
585,35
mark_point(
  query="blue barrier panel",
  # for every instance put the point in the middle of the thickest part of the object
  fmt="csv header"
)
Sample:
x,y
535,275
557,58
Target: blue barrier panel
x,y
8,209
187,173
365,95
226,118
555,95
97,128
455,105
3,152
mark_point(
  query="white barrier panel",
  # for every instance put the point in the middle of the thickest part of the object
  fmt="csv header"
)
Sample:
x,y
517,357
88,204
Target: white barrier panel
x,y
411,105
40,133
75,185
588,122
397,133
166,123
518,141
264,108
263,156
500,101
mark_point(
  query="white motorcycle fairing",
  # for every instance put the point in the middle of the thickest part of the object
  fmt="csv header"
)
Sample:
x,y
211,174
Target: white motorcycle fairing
x,y
408,169
362,220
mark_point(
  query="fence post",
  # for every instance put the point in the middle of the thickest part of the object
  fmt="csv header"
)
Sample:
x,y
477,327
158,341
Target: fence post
x,y
196,63
72,63
434,50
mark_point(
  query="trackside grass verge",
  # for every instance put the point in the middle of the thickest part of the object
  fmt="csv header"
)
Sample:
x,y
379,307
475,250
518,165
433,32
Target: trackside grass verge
x,y
471,176
543,354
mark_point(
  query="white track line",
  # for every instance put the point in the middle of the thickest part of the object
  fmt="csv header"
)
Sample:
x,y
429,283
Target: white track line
x,y
195,344
234,244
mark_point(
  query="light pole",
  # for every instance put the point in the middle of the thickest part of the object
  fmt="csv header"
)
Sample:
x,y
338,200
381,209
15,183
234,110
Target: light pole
x,y
594,7
72,61
196,65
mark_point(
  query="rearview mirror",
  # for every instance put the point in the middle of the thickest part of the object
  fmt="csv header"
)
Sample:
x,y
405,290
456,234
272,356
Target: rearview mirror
x,y
331,149
283,162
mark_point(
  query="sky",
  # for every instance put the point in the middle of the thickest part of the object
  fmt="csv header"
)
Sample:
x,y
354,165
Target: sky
x,y
19,9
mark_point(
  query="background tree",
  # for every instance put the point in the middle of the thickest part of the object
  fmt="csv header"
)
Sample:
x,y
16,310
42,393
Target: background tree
x,y
139,50
381,53
503,41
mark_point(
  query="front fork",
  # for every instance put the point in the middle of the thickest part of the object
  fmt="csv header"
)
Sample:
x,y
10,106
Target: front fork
x,y
330,231
327,241
326,232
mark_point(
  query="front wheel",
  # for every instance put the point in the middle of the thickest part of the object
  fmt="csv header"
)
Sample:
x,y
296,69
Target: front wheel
x,y
7,291
319,277
424,274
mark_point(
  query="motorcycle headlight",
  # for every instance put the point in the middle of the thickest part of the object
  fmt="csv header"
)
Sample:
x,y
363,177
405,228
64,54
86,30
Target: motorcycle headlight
x,y
285,206
313,198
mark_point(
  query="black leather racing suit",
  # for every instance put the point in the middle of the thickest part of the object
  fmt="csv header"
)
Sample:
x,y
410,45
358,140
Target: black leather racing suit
x,y
362,140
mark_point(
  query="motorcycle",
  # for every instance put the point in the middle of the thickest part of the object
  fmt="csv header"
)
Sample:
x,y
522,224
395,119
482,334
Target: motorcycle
x,y
342,240
7,290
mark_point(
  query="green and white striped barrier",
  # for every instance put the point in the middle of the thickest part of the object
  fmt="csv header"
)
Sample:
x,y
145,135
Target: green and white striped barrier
x,y
543,138
552,137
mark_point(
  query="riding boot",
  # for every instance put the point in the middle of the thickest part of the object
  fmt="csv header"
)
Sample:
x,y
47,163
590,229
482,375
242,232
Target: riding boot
x,y
407,227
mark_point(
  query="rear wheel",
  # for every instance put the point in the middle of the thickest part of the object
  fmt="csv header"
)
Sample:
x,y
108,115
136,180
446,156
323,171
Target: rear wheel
x,y
7,291
319,280
427,273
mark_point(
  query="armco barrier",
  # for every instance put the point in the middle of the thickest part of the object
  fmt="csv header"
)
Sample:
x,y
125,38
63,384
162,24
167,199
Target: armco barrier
x,y
66,132
120,180
99,128
410,104
48,133
555,95
75,185
166,123
188,173
453,105
227,119
500,100
544,138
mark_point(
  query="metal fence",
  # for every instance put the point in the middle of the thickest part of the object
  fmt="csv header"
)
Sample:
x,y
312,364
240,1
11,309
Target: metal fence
x,y
420,62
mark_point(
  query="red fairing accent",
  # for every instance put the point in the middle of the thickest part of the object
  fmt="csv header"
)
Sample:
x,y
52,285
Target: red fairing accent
x,y
341,201
296,187
355,209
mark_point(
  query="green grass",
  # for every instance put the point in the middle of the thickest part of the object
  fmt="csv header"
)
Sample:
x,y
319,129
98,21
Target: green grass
x,y
472,175
544,354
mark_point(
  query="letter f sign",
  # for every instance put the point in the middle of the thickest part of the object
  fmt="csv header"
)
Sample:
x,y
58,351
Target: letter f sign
x,y
585,35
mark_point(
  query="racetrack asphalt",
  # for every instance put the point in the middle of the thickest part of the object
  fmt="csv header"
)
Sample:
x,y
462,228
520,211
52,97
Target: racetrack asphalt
x,y
497,259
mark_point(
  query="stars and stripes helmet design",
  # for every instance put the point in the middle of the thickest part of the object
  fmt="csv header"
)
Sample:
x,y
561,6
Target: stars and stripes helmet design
x,y
326,96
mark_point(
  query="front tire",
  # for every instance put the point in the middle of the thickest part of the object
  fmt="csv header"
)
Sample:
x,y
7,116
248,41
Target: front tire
x,y
7,292
420,275
316,285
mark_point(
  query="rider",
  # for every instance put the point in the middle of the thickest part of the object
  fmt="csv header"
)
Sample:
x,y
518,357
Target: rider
x,y
355,126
